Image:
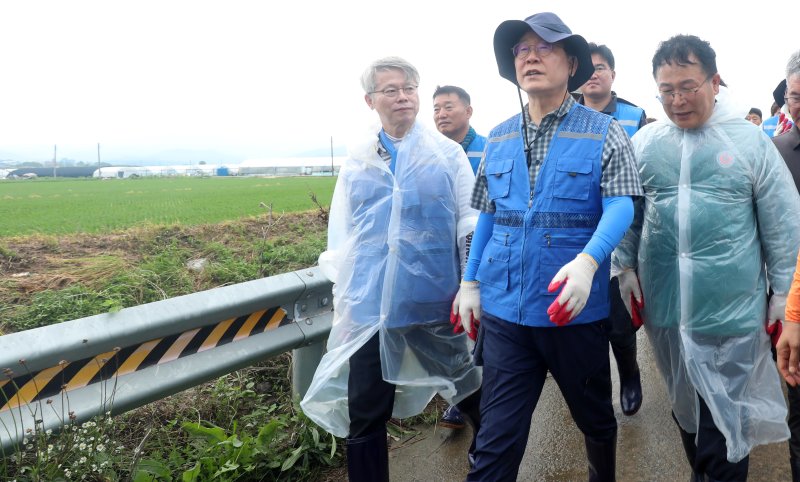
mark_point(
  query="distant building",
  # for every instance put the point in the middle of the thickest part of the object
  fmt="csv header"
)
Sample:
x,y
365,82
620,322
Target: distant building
x,y
49,171
125,172
292,166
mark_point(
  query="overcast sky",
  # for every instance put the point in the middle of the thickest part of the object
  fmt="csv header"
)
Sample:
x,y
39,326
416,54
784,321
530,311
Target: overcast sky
x,y
253,79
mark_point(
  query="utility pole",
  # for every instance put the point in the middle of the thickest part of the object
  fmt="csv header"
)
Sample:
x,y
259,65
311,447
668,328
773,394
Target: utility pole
x,y
98,154
55,147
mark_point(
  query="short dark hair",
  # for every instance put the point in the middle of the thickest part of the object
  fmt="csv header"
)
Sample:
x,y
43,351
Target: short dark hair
x,y
678,49
452,89
602,51
756,111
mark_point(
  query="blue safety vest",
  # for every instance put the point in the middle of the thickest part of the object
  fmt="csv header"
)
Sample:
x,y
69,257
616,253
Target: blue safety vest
x,y
538,231
629,116
475,152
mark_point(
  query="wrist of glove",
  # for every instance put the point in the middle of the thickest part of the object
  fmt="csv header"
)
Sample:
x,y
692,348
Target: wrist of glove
x,y
466,311
775,316
631,293
576,279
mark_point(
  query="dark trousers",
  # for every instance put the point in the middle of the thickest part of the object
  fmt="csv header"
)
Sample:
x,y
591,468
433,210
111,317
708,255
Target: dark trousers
x,y
621,333
516,360
708,456
371,399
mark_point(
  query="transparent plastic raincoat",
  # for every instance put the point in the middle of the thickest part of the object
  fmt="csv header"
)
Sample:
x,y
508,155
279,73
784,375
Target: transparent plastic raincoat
x,y
720,217
396,244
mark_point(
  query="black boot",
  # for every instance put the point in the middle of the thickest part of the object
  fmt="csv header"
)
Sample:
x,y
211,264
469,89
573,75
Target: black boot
x,y
630,380
795,470
368,458
602,458
689,448
471,411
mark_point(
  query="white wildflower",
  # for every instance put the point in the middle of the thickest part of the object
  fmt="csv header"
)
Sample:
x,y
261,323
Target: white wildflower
x,y
82,460
101,448
82,446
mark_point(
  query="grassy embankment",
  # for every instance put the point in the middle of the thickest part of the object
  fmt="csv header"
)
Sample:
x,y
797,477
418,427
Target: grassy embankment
x,y
73,248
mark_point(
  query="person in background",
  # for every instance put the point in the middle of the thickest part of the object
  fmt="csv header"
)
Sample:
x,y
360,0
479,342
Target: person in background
x,y
754,116
554,190
770,123
597,94
717,222
452,111
399,220
788,145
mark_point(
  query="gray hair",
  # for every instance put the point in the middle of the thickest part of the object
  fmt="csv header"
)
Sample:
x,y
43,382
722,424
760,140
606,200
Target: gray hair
x,y
368,78
793,66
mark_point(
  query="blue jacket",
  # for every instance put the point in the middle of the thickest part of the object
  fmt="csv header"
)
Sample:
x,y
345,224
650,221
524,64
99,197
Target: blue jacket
x,y
538,231
629,116
475,152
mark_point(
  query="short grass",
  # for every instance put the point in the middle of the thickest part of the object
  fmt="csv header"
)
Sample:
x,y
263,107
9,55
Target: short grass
x,y
64,206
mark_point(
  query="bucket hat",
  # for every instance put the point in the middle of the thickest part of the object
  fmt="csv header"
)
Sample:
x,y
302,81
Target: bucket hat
x,y
779,93
551,29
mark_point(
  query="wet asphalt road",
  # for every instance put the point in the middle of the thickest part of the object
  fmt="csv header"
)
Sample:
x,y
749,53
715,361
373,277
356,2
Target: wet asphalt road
x,y
648,444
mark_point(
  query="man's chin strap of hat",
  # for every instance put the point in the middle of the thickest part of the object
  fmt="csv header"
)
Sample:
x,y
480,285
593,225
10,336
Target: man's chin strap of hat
x,y
539,132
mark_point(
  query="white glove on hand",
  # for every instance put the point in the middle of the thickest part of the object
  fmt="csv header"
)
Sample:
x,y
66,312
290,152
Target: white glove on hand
x,y
467,304
777,310
629,285
577,274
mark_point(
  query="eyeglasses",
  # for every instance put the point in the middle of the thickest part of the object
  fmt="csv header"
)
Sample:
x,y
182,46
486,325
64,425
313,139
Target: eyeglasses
x,y
792,99
686,94
394,91
522,51
600,69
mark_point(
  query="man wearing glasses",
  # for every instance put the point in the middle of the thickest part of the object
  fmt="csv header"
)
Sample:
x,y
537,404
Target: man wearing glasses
x,y
397,232
788,145
597,94
554,191
718,221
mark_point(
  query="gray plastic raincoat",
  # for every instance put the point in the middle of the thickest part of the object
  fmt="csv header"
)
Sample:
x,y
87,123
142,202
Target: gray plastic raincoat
x,y
396,244
720,217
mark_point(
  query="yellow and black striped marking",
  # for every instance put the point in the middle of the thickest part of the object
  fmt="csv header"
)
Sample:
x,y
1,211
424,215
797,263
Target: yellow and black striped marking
x,y
32,387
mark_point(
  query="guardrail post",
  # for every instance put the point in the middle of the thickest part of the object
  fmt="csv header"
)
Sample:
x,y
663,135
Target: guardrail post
x,y
304,363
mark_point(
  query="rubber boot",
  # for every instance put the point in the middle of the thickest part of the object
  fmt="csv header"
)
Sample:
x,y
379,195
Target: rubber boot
x,y
602,457
470,409
687,440
630,380
368,458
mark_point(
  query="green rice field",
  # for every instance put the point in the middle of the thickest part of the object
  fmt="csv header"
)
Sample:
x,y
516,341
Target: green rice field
x,y
64,206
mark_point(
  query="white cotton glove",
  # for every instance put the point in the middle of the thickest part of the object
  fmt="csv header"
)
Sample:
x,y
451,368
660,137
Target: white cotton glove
x,y
777,310
577,274
629,287
775,316
466,312
631,294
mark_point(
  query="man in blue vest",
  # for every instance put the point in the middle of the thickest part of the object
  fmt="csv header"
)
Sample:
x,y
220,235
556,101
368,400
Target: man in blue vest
x,y
452,110
555,193
597,94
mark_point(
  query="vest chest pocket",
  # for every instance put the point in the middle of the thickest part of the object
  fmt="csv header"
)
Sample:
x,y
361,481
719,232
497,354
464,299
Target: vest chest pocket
x,y
498,177
573,178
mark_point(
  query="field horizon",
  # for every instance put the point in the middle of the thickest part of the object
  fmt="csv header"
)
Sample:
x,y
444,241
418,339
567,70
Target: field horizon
x,y
65,206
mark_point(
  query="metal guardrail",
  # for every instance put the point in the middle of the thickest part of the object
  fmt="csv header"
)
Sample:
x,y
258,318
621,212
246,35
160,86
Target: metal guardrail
x,y
119,361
